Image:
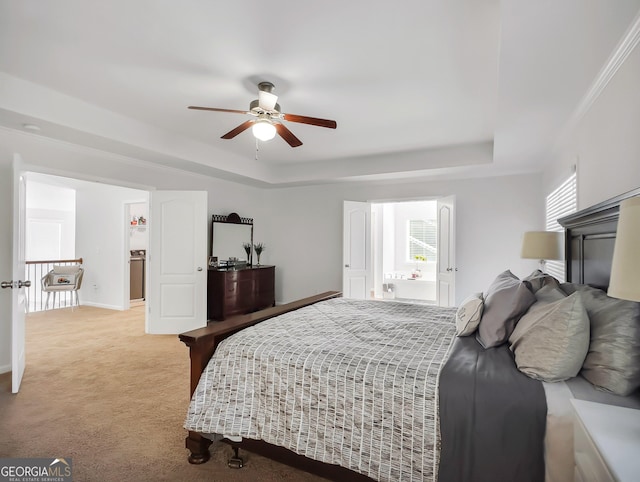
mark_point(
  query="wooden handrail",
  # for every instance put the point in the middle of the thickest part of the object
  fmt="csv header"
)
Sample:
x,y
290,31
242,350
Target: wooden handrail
x,y
51,261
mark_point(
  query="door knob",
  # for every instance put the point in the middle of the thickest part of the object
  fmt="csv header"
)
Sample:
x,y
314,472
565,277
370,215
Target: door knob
x,y
199,268
7,284
346,265
24,283
449,269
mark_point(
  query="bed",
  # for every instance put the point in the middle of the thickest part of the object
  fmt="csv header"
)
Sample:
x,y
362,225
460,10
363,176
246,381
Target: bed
x,y
403,398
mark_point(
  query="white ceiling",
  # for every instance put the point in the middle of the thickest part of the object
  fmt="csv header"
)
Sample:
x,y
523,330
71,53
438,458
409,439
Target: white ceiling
x,y
418,88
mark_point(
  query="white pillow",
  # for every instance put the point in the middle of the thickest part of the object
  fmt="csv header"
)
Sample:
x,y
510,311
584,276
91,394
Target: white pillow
x,y
469,314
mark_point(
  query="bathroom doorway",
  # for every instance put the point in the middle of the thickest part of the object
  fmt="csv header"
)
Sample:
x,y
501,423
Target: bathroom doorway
x,y
405,250
401,250
412,250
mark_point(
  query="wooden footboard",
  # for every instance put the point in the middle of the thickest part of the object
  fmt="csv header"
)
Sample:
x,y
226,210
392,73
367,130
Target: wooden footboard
x,y
203,342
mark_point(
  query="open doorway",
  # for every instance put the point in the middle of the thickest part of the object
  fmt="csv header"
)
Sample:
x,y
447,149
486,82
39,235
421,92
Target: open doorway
x,y
137,215
403,250
102,247
69,219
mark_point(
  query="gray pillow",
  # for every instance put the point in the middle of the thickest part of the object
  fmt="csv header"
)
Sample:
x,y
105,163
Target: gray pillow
x,y
551,340
506,300
613,361
550,293
538,279
469,314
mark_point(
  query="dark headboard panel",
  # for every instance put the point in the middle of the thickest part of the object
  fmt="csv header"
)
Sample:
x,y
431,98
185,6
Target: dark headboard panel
x,y
590,237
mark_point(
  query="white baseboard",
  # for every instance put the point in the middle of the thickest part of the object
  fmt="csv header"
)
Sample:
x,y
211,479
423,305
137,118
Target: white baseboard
x,y
5,368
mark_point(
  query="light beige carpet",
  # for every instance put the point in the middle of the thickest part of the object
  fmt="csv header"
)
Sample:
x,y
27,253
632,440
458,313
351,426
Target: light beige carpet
x,y
98,390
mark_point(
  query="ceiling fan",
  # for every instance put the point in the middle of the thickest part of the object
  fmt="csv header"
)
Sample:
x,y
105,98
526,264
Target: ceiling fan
x,y
269,117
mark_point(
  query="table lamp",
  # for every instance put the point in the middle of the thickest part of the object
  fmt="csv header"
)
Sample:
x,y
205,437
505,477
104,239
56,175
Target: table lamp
x,y
542,245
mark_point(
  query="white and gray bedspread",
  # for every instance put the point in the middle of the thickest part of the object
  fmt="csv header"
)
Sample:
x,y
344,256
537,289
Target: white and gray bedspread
x,y
347,382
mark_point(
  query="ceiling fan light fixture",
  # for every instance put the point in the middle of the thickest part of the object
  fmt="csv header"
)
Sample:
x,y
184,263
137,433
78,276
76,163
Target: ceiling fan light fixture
x,y
263,130
268,117
267,100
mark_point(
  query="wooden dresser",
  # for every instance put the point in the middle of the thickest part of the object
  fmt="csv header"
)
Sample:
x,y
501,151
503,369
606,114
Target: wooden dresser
x,y
238,291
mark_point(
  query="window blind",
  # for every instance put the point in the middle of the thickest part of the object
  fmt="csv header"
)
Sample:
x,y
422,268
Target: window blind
x,y
561,202
423,239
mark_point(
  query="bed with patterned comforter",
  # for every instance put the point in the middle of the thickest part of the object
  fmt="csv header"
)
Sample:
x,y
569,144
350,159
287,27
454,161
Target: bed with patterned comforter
x,y
346,382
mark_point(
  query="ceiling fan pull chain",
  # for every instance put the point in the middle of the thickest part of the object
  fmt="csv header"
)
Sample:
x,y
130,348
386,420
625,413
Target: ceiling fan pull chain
x,y
256,149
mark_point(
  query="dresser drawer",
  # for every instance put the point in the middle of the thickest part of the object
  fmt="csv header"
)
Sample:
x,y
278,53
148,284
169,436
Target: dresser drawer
x,y
230,288
231,275
240,291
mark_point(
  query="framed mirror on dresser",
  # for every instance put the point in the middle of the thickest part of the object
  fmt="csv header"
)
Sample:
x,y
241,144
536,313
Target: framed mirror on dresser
x,y
234,285
229,235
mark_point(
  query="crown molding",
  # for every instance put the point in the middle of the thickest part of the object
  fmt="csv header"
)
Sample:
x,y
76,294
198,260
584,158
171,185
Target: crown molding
x,y
625,47
617,59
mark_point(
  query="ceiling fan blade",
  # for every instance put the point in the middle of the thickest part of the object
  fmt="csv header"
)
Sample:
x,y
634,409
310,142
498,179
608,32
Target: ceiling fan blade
x,y
219,110
287,135
314,121
241,128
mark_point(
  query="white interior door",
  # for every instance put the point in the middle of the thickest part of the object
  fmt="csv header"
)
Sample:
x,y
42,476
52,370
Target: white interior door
x,y
446,269
177,261
356,272
18,300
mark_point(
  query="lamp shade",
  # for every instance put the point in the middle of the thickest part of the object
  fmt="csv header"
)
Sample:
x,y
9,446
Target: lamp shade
x,y
625,270
542,245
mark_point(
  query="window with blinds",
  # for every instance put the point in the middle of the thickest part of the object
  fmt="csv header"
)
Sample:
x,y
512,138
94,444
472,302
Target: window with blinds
x,y
423,240
562,201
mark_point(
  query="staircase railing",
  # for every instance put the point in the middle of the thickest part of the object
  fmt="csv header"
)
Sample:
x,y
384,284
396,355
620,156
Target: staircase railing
x,y
36,298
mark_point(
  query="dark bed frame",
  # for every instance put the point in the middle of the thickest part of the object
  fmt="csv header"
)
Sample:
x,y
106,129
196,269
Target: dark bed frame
x,y
589,241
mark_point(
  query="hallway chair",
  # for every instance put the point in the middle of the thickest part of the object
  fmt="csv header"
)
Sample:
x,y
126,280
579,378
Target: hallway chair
x,y
62,278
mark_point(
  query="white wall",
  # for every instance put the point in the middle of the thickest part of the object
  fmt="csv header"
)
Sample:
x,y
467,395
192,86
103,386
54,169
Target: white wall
x,y
101,241
387,220
605,143
305,232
